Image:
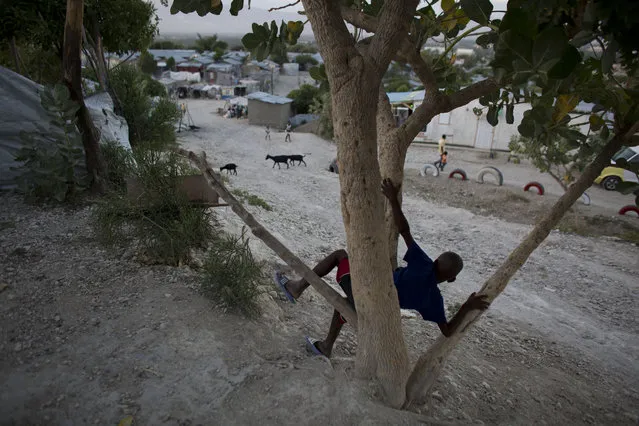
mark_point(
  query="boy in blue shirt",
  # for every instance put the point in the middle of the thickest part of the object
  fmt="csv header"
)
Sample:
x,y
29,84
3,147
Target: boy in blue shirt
x,y
416,284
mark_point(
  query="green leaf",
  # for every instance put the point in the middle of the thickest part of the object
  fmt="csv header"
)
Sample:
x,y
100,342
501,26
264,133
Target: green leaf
x,y
251,41
571,134
566,64
549,45
491,116
260,52
563,106
236,6
520,46
477,10
596,122
447,5
627,188
609,55
526,128
485,39
510,113
519,21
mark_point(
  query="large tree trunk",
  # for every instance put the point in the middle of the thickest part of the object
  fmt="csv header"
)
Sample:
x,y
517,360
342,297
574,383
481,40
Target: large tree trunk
x,y
430,364
355,80
72,76
392,154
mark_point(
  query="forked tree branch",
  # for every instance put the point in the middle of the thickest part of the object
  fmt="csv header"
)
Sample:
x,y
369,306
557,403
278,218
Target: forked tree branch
x,y
436,103
392,29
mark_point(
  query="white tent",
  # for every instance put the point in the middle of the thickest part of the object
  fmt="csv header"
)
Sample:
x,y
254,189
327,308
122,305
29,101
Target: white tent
x,y
20,110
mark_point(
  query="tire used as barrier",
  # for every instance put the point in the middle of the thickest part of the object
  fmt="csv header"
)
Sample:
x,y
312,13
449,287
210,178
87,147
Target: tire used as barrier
x,y
540,187
459,172
626,209
434,169
493,171
585,199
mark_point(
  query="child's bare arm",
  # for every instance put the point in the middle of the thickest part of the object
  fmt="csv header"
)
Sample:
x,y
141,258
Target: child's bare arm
x,y
391,192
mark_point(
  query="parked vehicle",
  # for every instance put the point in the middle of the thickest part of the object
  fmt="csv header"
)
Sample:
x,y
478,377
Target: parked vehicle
x,y
611,176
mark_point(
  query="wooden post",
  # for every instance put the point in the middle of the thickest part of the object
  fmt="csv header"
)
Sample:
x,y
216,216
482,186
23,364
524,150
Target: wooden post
x,y
332,296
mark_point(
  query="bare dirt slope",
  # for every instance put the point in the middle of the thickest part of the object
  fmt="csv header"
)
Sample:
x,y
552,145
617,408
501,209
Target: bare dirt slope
x,y
87,336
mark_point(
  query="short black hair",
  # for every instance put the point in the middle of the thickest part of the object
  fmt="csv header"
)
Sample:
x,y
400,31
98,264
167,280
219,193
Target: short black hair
x,y
450,264
446,152
443,136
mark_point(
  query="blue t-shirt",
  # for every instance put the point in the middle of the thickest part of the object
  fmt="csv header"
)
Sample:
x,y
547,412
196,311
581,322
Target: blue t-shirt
x,y
417,285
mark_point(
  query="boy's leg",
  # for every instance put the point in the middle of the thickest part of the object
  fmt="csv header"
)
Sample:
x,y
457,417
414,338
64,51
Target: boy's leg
x,y
326,346
323,268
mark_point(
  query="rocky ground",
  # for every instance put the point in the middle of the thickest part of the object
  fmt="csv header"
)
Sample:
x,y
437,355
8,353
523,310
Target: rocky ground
x,y
89,336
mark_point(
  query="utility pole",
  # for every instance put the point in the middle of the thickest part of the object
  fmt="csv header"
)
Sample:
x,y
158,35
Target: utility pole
x,y
272,84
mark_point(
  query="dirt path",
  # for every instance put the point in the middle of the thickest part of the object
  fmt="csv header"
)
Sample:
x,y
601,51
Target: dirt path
x,y
87,336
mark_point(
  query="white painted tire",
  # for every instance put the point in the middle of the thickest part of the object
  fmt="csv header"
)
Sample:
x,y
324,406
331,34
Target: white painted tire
x,y
493,171
431,167
585,199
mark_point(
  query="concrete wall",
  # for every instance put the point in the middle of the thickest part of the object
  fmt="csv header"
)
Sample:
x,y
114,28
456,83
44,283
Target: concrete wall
x,y
462,127
262,113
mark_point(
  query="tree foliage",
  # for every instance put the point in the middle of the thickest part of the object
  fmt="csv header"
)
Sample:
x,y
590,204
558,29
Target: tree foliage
x,y
558,157
170,63
166,44
147,63
305,61
210,44
150,124
125,25
51,158
303,97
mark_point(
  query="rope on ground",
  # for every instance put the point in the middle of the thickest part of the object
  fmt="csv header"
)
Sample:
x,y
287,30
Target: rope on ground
x,y
331,296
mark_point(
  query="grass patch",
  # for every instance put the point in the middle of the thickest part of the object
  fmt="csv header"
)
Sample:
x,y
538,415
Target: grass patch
x,y
252,199
232,275
161,219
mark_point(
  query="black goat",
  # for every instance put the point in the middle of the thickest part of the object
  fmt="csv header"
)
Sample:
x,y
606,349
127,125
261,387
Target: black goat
x,y
230,168
298,158
277,159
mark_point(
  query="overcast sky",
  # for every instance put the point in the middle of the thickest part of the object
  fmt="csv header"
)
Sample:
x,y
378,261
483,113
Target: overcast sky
x,y
225,23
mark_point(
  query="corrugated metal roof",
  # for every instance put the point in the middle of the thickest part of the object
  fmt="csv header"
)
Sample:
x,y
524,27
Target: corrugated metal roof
x,y
401,97
269,99
177,54
189,64
232,61
220,67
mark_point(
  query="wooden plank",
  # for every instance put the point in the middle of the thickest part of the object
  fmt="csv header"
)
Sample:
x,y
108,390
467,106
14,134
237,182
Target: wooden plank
x,y
332,296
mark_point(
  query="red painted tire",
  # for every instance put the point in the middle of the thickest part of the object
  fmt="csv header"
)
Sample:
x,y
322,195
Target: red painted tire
x,y
540,187
459,172
626,209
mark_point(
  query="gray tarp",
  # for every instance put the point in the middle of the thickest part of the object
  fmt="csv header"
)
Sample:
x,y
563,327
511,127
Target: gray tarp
x,y
20,110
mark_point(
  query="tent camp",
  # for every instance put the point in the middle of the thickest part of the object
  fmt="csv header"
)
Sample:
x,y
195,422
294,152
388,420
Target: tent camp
x,y
21,111
267,109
